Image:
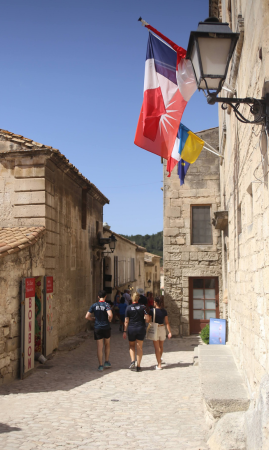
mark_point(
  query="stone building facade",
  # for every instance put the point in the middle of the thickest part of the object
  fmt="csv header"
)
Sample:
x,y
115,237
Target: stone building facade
x,y
188,264
152,273
244,191
124,268
40,189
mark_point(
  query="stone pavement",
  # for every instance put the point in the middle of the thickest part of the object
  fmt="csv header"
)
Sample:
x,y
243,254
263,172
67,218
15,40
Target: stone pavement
x,y
68,404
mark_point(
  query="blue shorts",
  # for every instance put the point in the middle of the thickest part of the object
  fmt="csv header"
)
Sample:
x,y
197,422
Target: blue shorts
x,y
136,333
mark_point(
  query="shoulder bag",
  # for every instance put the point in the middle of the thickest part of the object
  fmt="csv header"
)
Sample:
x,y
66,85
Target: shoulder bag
x,y
152,330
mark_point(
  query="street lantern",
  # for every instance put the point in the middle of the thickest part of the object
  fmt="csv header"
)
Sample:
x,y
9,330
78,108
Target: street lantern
x,y
112,242
210,50
149,283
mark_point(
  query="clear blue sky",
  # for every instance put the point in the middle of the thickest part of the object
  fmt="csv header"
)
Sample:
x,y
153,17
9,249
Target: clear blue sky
x,y
72,74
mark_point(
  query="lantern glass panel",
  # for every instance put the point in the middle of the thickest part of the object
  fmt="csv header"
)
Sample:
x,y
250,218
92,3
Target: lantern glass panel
x,y
195,62
214,54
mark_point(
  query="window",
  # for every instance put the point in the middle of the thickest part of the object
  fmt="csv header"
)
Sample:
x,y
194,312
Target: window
x,y
204,299
201,225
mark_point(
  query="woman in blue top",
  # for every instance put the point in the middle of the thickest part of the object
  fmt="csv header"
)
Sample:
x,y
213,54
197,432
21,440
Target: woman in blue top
x,y
161,319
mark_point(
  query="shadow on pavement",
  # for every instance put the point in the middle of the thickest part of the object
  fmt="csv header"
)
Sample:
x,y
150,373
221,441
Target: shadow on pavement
x,y
68,370
7,429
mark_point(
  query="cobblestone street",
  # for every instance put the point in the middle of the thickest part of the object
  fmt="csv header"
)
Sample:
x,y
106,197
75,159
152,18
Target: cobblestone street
x,y
68,404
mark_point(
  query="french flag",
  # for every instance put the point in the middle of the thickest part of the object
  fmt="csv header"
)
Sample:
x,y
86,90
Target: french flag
x,y
168,85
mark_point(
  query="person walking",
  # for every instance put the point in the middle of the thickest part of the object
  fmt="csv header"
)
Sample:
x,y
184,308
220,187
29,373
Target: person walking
x,y
142,299
161,319
135,317
102,314
127,297
122,309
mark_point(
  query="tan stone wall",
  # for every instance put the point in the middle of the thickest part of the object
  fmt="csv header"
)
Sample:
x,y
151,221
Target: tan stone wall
x,y
244,183
69,257
181,259
26,263
22,188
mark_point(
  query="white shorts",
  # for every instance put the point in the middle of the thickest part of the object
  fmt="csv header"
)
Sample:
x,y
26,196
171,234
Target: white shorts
x,y
161,333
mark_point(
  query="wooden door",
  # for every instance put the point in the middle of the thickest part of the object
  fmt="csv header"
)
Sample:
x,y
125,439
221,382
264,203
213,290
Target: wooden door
x,y
204,302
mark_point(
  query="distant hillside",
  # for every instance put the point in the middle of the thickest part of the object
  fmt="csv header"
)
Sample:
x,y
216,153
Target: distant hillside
x,y
152,242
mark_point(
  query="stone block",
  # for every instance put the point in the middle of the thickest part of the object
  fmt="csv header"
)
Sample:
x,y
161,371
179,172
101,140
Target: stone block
x,y
29,211
4,362
29,172
172,211
2,347
193,256
188,193
28,198
179,222
6,331
166,240
175,202
12,344
208,256
170,231
172,248
30,184
185,256
14,329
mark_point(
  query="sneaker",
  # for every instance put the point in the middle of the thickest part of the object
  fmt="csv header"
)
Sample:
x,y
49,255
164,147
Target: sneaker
x,y
107,365
158,368
138,369
100,368
132,366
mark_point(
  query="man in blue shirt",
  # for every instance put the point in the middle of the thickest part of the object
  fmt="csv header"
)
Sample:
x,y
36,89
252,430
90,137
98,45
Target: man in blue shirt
x,y
102,314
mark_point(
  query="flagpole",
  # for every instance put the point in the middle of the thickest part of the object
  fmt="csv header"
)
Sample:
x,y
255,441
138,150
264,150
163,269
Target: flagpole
x,y
215,153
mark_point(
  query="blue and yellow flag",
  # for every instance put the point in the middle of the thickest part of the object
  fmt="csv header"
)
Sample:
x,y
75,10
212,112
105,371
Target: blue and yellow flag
x,y
190,145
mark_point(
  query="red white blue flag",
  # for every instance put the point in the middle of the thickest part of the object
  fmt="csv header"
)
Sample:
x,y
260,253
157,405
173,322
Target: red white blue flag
x,y
169,84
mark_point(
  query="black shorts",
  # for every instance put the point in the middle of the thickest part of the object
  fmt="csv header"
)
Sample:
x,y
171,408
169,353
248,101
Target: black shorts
x,y
135,333
101,334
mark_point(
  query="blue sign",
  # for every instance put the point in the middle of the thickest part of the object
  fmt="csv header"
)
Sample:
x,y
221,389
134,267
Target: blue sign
x,y
217,332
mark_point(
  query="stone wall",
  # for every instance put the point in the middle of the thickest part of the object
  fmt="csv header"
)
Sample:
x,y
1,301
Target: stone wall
x,y
25,263
182,259
244,188
69,256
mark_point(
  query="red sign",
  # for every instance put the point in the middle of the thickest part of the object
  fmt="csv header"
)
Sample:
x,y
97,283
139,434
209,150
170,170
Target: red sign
x,y
29,287
49,285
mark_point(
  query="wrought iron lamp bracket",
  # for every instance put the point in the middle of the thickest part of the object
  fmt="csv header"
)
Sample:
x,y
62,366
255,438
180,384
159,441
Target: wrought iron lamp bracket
x,y
258,107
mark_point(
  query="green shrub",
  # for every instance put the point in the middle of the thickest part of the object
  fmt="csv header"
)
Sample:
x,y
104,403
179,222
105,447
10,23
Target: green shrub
x,y
205,334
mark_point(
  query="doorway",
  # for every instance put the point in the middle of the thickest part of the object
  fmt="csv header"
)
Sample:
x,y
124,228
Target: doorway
x,y
204,302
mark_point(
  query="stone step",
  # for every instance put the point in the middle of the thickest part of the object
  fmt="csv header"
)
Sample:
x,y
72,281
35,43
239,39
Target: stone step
x,y
222,385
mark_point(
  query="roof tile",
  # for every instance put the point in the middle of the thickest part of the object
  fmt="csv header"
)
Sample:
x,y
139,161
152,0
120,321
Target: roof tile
x,y
13,240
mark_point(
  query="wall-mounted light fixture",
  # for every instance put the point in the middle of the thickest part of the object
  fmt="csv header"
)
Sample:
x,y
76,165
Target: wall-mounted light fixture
x,y
111,241
149,283
210,50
